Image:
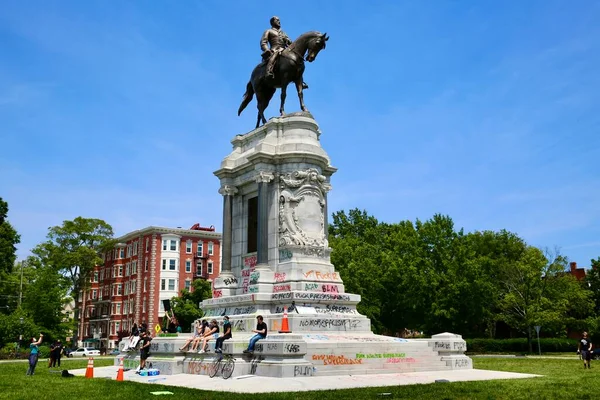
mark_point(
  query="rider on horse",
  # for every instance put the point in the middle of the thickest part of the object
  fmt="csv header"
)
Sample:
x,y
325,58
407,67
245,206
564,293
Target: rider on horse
x,y
278,41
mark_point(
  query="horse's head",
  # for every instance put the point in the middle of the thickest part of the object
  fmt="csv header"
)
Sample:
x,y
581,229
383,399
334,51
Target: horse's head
x,y
315,45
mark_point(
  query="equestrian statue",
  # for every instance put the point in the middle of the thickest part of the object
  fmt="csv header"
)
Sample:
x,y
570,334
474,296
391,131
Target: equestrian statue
x,y
283,62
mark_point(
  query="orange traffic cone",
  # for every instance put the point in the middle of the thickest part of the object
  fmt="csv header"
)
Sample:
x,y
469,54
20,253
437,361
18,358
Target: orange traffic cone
x,y
285,327
89,372
120,373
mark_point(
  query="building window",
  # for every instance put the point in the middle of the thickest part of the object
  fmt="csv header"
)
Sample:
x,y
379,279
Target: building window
x,y
164,264
133,286
102,276
134,267
210,267
210,248
147,244
118,309
173,246
126,288
188,285
122,253
188,266
135,248
119,289
199,267
127,269
171,284
199,248
165,244
95,276
94,294
172,265
162,284
145,284
120,270
146,265
117,326
128,251
125,308
188,247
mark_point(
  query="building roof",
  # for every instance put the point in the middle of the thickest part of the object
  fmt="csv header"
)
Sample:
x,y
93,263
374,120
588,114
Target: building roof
x,y
203,233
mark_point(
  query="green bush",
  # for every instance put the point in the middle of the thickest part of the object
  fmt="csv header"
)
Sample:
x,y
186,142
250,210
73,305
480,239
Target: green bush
x,y
44,351
519,345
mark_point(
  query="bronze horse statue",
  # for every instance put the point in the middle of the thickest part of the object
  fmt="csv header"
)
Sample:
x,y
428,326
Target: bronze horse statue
x,y
289,68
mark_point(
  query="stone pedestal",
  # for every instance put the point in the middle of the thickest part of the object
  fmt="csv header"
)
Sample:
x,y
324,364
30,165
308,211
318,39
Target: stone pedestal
x,y
275,254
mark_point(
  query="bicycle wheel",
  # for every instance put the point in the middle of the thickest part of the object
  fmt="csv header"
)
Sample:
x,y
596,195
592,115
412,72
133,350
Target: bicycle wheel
x,y
228,368
213,368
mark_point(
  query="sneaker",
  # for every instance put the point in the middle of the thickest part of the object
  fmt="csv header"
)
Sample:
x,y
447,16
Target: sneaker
x,y
201,351
218,351
248,351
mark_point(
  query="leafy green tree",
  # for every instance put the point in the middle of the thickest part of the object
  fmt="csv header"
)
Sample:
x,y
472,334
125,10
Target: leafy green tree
x,y
186,307
593,280
45,296
538,292
8,240
74,248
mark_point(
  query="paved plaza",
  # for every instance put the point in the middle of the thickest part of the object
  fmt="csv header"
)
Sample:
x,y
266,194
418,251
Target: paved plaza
x,y
260,384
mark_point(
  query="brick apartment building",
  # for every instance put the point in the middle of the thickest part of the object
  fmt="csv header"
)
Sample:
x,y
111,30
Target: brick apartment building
x,y
145,267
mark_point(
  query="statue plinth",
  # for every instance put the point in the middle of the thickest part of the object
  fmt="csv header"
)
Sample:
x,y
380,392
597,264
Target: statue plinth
x,y
276,255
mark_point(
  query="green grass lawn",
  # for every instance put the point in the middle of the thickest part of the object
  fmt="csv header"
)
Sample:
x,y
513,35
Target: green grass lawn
x,y
564,379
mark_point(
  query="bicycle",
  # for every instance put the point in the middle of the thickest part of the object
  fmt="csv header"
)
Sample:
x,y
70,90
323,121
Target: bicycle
x,y
226,363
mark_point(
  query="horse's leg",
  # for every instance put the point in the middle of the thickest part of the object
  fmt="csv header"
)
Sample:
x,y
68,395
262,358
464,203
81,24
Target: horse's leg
x,y
299,86
283,95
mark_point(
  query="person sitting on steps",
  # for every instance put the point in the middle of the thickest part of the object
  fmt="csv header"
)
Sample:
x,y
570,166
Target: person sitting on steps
x,y
261,333
212,332
195,335
202,329
226,335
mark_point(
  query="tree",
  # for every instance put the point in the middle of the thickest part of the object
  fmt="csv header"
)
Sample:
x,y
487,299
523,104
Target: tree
x,y
186,306
44,297
8,240
538,292
593,280
74,248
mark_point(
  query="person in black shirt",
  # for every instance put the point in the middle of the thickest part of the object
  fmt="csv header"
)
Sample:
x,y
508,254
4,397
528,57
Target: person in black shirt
x,y
59,351
144,349
212,332
585,348
226,335
261,333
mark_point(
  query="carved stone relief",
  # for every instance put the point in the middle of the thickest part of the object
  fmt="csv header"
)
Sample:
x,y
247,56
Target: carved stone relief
x,y
301,209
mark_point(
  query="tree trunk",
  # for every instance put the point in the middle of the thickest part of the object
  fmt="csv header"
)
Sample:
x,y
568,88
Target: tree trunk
x,y
529,344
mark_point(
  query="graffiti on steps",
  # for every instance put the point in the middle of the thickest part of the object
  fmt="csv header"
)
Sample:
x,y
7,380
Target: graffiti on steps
x,y
332,359
381,355
303,370
347,324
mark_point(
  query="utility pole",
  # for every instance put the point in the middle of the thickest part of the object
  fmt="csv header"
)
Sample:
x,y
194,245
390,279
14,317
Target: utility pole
x,y
21,290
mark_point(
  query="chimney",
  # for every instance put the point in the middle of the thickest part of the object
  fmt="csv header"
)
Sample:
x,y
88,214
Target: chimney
x,y
573,266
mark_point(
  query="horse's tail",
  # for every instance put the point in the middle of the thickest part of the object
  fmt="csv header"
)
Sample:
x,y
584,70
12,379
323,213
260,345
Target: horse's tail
x,y
247,97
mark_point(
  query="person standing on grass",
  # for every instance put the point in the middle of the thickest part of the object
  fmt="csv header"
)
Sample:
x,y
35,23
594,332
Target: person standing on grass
x,y
59,351
33,354
585,348
261,333
52,359
226,335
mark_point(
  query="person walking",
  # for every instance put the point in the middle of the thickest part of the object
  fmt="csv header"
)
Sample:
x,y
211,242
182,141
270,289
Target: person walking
x,y
585,348
33,354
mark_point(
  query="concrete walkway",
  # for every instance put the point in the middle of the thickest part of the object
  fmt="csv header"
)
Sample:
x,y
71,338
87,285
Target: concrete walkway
x,y
260,384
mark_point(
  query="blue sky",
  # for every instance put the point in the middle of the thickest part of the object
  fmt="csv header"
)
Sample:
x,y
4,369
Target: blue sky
x,y
486,111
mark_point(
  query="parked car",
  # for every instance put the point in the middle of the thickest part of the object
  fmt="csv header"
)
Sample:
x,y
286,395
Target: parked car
x,y
85,352
114,352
